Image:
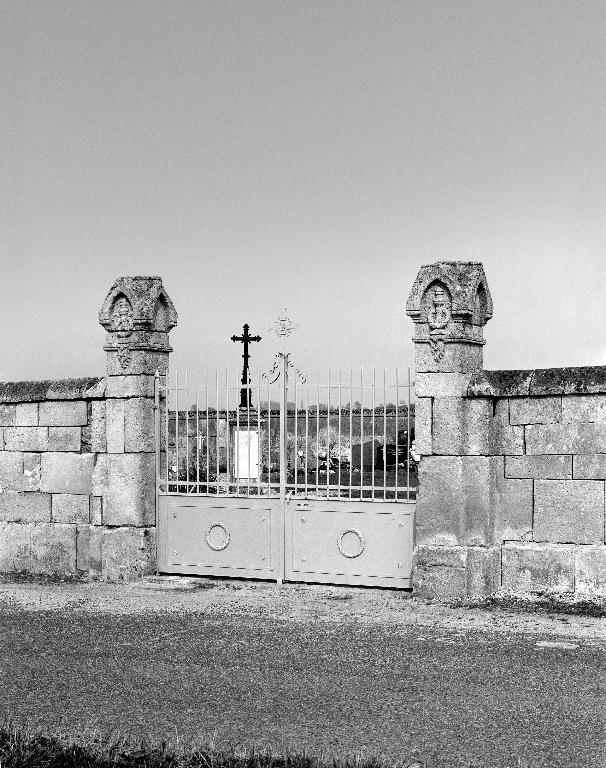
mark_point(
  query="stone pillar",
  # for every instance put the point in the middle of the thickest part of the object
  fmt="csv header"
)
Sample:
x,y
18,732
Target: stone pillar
x,y
138,316
449,304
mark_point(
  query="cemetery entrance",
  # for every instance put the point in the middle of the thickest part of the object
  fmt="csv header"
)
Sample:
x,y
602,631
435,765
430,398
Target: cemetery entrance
x,y
283,478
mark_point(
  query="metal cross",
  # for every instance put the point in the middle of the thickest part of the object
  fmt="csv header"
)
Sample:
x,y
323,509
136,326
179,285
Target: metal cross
x,y
245,391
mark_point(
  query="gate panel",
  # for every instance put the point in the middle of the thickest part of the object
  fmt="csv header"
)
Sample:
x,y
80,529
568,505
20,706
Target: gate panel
x,y
220,537
337,542
285,479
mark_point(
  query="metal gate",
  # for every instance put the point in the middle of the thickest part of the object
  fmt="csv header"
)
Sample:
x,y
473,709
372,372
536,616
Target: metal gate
x,y
281,478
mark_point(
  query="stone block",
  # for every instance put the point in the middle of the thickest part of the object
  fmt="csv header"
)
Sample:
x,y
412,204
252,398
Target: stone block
x,y
460,426
458,358
31,471
502,437
427,556
64,438
139,426
500,383
96,510
26,439
535,410
28,507
89,549
141,362
129,386
423,416
571,437
569,511
114,425
441,384
128,553
454,501
67,472
537,568
15,550
98,427
566,381
53,548
537,467
100,475
1,439
8,415
589,467
26,415
584,408
70,508
130,497
11,472
432,578
590,570
504,440
483,571
511,505
63,413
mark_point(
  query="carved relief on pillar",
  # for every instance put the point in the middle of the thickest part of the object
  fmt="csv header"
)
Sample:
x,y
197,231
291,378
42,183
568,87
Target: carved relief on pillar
x,y
137,314
449,304
437,305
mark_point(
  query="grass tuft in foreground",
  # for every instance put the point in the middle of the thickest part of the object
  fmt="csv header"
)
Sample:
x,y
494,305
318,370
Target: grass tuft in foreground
x,y
23,748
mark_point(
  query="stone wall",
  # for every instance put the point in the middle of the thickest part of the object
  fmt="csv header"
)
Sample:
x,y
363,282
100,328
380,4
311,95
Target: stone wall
x,y
77,457
67,505
513,469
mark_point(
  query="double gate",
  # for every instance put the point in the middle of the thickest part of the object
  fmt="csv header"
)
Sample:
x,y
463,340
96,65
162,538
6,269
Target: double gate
x,y
281,478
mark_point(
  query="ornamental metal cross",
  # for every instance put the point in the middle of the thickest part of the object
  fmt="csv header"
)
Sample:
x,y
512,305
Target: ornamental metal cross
x,y
245,391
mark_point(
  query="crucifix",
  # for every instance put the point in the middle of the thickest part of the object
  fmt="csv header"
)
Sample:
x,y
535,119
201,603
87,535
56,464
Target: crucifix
x,y
245,391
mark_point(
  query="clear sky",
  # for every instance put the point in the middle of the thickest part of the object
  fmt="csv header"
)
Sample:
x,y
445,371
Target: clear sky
x,y
303,154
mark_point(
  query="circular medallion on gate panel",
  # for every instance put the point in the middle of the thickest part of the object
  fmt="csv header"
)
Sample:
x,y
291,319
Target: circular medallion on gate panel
x,y
217,542
348,539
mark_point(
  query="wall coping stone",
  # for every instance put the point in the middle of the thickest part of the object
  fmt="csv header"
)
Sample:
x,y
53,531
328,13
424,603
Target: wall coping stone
x,y
542,381
62,389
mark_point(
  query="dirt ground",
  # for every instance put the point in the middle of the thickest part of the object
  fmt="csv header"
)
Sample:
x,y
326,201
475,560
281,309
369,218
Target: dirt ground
x,y
298,602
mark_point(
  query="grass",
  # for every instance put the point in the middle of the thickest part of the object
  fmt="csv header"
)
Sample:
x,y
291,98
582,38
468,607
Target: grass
x,y
25,748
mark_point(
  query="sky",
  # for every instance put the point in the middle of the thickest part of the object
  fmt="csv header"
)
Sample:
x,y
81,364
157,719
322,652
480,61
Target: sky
x,y
309,155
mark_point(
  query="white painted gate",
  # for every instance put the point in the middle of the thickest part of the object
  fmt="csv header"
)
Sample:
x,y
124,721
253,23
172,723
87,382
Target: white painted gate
x,y
312,483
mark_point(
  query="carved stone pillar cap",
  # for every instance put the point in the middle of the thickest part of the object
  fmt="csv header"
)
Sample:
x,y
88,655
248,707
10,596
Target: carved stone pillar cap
x,y
137,315
460,284
137,303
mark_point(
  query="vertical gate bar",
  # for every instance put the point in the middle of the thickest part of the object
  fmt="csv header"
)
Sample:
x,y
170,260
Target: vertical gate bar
x,y
177,424
187,430
259,437
306,447
397,433
372,455
207,438
167,409
384,435
339,448
197,431
157,462
328,437
318,437
350,428
283,396
268,440
361,433
295,454
248,399
236,443
408,443
217,433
